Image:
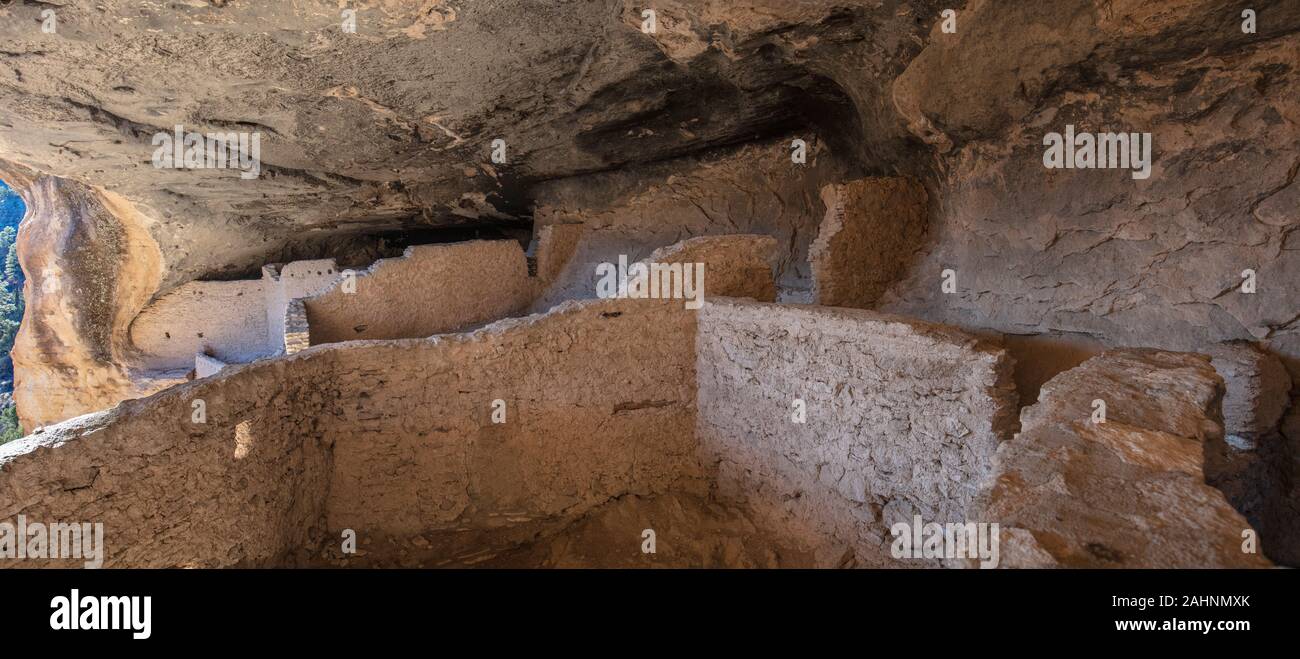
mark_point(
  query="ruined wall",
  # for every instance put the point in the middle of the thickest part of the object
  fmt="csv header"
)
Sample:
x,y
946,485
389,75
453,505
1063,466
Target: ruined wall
x,y
416,448
751,190
381,437
904,422
871,231
429,290
285,283
226,318
1129,492
734,266
297,332
235,321
551,248
244,488
396,439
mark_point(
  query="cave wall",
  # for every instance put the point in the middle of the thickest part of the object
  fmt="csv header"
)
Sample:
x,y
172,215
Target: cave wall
x,y
1074,261
901,418
391,127
1093,253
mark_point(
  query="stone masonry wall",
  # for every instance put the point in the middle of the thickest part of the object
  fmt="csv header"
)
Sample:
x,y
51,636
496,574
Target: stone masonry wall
x,y
872,229
734,266
234,321
426,454
429,290
171,492
288,282
380,437
902,418
297,333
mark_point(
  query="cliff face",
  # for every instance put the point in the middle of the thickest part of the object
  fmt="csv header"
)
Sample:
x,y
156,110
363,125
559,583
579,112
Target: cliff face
x,y
91,266
1100,253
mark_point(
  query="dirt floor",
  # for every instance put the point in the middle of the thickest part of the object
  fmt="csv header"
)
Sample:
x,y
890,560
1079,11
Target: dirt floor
x,y
688,532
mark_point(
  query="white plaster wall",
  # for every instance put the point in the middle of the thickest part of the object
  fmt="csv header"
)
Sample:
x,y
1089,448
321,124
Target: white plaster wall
x,y
902,418
225,318
293,280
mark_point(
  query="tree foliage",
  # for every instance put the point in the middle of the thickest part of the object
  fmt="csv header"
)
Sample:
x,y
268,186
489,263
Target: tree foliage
x,y
11,305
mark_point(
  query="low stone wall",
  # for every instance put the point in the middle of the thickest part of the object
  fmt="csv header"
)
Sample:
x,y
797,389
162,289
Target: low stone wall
x,y
417,449
244,487
1129,491
901,418
384,438
431,289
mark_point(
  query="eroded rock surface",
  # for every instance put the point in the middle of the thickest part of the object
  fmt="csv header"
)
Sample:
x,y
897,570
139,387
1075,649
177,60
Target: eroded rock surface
x,y
1093,252
1074,491
91,267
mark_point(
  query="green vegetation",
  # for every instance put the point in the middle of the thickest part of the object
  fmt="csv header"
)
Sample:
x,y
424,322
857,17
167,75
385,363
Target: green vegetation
x,y
9,428
11,307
